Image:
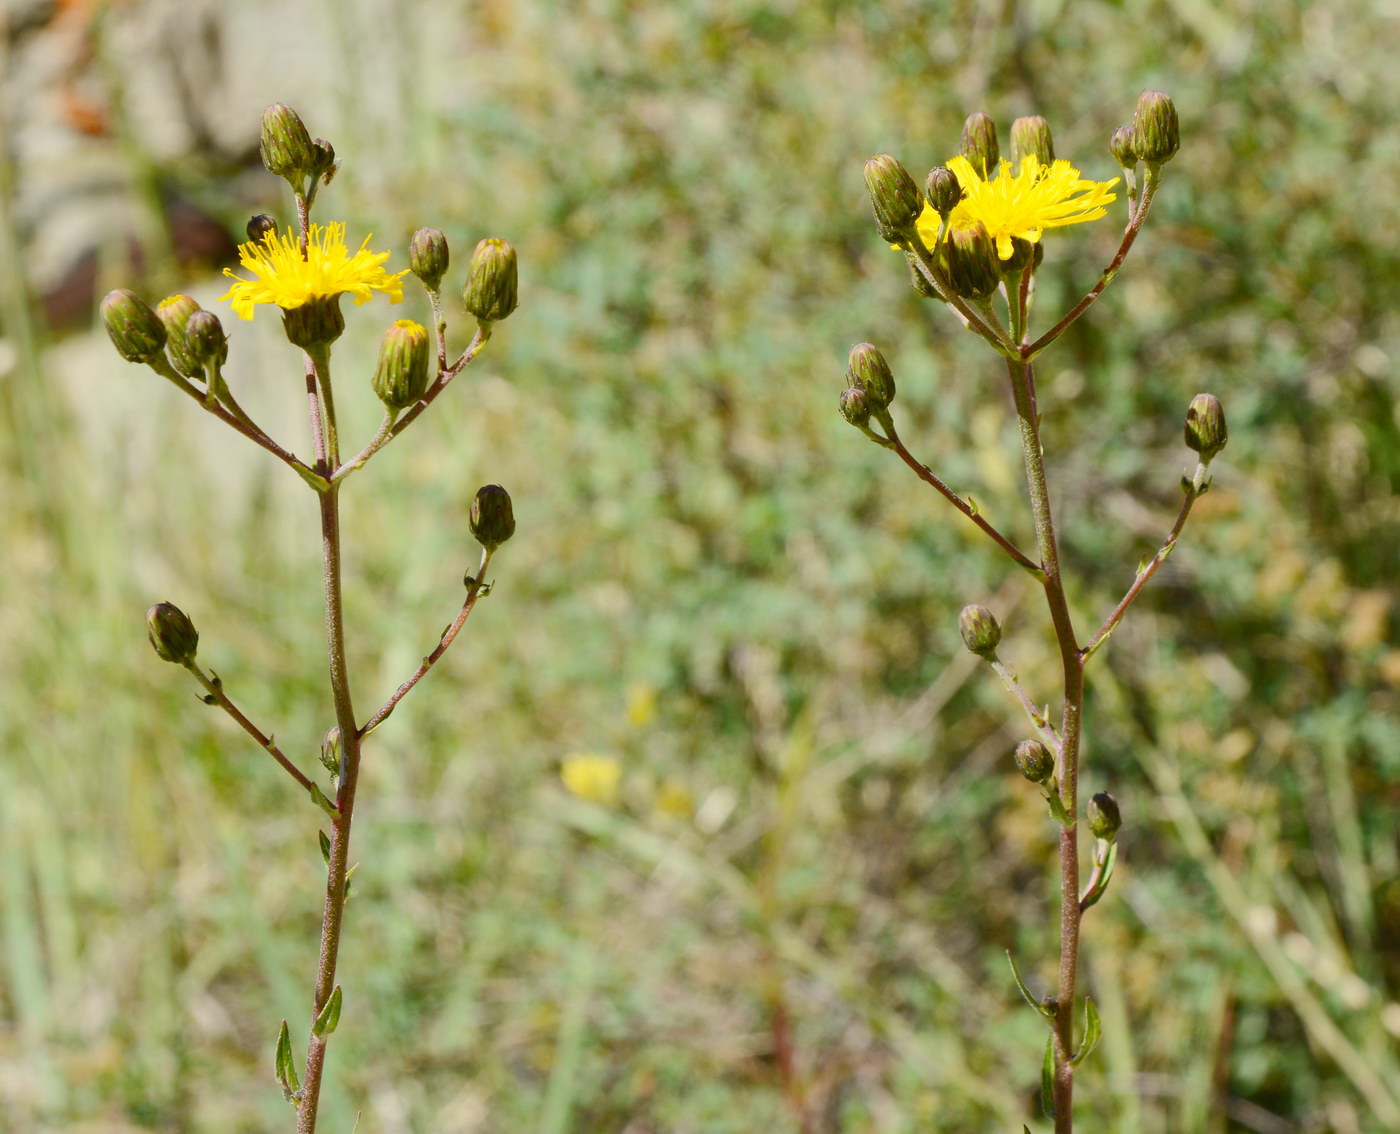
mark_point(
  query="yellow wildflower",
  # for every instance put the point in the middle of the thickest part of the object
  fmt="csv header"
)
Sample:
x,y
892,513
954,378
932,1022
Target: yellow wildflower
x,y
1023,204
592,777
283,277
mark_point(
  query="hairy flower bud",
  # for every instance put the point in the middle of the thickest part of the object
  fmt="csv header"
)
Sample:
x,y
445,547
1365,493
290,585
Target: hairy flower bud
x,y
205,339
867,370
1031,136
492,518
1033,760
401,376
1123,147
135,330
1205,426
855,406
973,267
1104,817
1156,132
316,323
175,312
979,144
942,190
981,633
286,146
258,227
490,291
427,256
894,197
172,634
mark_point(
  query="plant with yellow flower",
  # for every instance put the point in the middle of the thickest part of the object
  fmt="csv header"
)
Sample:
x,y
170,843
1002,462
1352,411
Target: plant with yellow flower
x,y
973,238
303,272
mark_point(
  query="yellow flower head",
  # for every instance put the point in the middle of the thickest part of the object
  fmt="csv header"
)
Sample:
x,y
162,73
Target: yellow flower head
x,y
592,777
1022,204
283,277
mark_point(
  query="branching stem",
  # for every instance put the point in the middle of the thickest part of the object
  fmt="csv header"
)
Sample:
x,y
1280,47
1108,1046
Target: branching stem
x,y
215,689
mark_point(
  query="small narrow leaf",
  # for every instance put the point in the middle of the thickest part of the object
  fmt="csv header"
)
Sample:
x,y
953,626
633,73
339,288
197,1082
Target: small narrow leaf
x,y
330,1016
972,503
324,840
1100,885
1047,1078
285,1065
1026,992
318,797
1093,1029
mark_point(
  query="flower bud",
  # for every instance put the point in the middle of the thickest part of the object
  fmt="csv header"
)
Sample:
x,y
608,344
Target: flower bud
x,y
973,267
894,197
1123,148
171,633
942,190
490,291
401,376
332,747
205,339
980,631
175,312
1023,252
855,407
492,518
1156,133
323,160
867,370
1205,426
286,147
259,225
427,256
135,330
1104,817
1033,760
316,323
1031,137
979,144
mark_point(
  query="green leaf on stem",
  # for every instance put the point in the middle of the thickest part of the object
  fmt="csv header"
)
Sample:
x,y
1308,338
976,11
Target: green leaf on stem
x,y
285,1065
318,797
330,1016
1026,992
1057,809
1092,1031
324,840
1101,880
1047,1078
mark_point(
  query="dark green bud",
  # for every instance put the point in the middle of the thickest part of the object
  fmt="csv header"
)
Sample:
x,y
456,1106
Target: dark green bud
x,y
973,267
1205,426
323,164
427,256
855,407
894,197
866,369
314,324
175,312
1023,252
980,631
1122,147
979,144
258,227
172,634
1033,760
942,190
286,148
490,291
332,747
401,376
1031,137
1156,132
205,339
135,330
492,518
1104,817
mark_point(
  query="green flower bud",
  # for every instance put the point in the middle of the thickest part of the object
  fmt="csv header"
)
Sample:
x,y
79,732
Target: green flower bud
x,y
973,267
942,190
979,144
867,370
1123,147
401,377
314,324
205,339
259,225
175,312
1033,760
1205,426
172,634
135,330
1032,136
286,147
427,256
894,197
492,518
323,160
1104,817
490,291
980,631
1156,132
332,746
855,407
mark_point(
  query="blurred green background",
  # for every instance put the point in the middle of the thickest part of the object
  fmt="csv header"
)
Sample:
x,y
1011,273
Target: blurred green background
x,y
715,581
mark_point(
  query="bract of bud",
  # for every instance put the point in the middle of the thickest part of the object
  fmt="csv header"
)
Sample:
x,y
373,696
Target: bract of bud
x,y
332,745
981,633
942,190
1034,761
973,267
979,144
427,256
867,370
314,324
492,281
855,407
258,227
1104,817
492,518
1156,132
135,330
171,633
286,147
205,339
1032,136
894,197
1123,147
401,375
175,312
1205,426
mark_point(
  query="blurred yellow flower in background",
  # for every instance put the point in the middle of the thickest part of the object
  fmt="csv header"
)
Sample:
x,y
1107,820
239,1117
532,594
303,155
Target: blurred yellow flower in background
x,y
592,777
